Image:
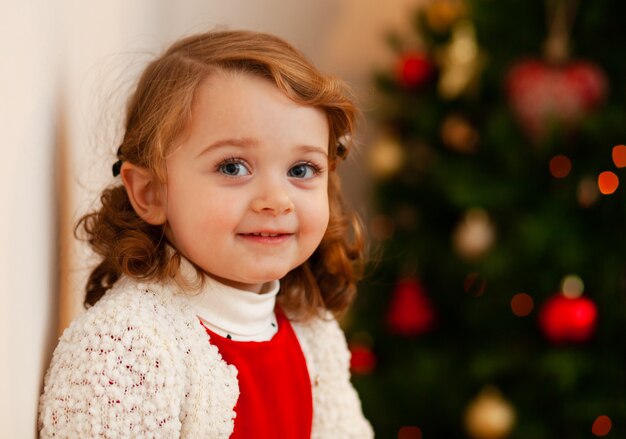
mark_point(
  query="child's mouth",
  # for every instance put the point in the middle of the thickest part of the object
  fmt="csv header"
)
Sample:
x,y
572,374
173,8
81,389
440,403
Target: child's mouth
x,y
266,237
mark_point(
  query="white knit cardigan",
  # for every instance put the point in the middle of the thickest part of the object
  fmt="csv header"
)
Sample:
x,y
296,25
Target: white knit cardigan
x,y
139,364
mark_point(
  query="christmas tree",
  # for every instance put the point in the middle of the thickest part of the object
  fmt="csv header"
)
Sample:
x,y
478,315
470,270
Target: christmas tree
x,y
495,307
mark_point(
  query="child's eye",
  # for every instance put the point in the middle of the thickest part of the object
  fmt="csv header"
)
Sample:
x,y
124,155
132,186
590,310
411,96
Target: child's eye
x,y
233,168
304,170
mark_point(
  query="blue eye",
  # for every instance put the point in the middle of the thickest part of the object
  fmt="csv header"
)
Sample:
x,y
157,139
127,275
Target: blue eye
x,y
233,168
304,171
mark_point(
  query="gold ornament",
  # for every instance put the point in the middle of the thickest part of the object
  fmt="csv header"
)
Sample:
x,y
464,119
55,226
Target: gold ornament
x,y
474,235
489,416
386,157
441,14
458,134
461,62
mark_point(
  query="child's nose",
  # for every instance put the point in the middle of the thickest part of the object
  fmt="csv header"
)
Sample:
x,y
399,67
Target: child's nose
x,y
273,199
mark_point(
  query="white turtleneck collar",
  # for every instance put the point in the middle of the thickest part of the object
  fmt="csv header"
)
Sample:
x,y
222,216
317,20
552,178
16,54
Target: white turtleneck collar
x,y
234,313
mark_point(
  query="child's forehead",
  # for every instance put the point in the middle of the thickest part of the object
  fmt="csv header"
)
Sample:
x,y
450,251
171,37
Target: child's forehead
x,y
242,92
245,106
230,80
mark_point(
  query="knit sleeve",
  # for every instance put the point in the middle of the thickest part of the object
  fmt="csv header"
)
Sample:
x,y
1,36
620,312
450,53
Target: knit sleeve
x,y
112,375
337,408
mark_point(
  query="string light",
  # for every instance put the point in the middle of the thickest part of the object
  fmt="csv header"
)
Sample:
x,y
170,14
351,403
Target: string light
x,y
619,156
601,426
608,182
560,166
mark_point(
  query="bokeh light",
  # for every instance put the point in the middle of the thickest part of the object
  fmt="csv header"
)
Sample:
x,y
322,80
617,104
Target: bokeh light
x,y
560,166
474,234
410,433
572,286
607,182
601,426
522,304
619,156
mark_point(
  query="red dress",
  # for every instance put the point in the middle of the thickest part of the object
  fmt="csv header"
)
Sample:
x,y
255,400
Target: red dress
x,y
275,398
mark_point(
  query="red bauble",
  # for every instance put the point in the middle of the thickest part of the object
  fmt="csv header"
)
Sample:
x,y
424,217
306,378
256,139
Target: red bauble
x,y
362,360
414,69
410,312
564,319
541,94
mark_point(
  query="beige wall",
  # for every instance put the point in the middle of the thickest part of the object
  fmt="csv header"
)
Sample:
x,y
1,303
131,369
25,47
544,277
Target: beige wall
x,y
28,93
66,68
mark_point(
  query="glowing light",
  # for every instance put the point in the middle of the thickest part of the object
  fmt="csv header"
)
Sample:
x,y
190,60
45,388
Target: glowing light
x,y
619,156
572,286
601,426
560,166
608,182
522,304
474,284
410,433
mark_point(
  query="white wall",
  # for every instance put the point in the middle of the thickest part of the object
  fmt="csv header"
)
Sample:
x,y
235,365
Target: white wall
x,y
28,92
73,61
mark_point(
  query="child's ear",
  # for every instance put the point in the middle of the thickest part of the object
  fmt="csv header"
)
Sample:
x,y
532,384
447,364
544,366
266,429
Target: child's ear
x,y
145,192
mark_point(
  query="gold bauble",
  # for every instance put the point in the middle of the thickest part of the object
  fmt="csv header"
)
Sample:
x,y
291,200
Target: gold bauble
x,y
474,235
489,416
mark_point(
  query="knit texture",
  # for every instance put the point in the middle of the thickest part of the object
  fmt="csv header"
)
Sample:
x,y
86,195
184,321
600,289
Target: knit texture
x,y
138,364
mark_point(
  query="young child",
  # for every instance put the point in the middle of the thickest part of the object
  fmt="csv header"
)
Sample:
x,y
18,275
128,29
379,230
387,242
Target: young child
x,y
226,252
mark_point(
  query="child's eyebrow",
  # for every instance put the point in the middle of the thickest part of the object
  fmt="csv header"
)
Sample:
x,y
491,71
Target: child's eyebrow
x,y
244,142
311,148
249,142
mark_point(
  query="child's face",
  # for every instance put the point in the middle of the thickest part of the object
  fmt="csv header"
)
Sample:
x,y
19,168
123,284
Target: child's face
x,y
247,193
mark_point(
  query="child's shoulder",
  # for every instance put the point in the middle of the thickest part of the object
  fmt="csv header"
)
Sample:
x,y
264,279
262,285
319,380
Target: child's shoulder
x,y
132,306
319,324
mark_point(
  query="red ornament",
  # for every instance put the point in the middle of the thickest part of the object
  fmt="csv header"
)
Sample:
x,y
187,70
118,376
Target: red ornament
x,y
564,319
414,69
541,94
362,360
410,312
